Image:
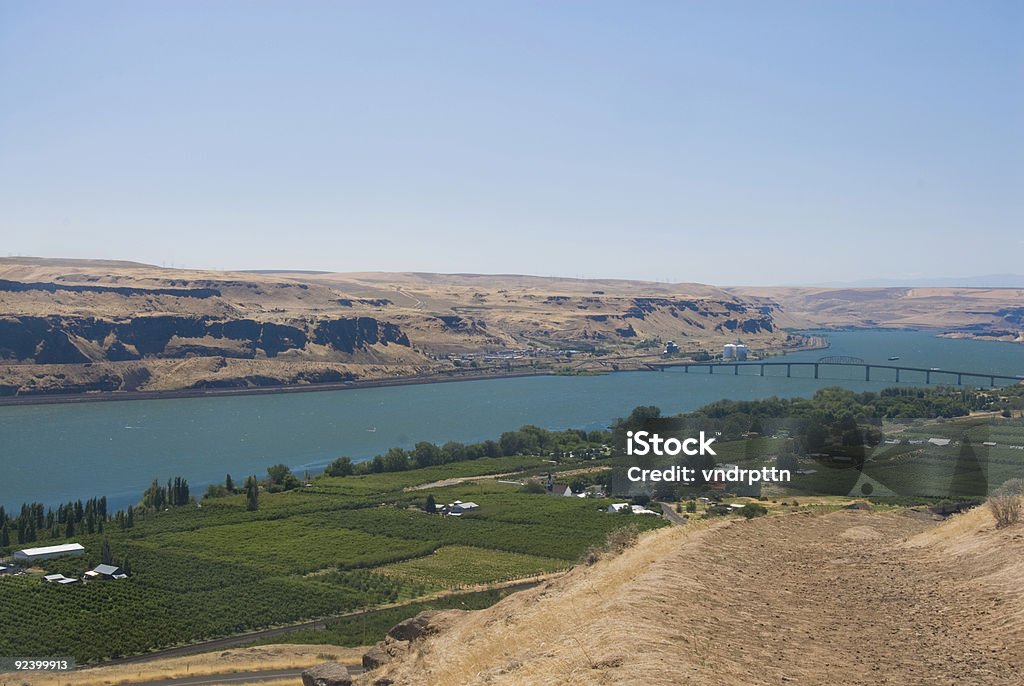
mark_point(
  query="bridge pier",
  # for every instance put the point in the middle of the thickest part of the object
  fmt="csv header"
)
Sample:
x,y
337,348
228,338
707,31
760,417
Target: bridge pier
x,y
927,377
686,369
735,370
789,370
959,379
992,381
762,370
867,372
711,369
815,370
897,374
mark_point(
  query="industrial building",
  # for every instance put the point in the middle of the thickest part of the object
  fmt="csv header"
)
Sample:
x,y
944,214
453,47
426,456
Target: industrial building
x,y
36,554
735,351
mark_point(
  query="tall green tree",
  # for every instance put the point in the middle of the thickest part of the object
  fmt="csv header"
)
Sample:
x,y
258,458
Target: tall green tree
x,y
106,556
252,494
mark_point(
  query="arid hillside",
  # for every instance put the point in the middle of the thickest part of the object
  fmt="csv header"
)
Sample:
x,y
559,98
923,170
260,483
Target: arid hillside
x,y
73,326
850,597
984,313
68,325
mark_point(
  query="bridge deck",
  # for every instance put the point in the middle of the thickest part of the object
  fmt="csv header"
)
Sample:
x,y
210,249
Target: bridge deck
x,y
866,366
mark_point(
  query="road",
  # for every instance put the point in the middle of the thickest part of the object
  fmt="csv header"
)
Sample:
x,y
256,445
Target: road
x,y
254,677
671,515
233,678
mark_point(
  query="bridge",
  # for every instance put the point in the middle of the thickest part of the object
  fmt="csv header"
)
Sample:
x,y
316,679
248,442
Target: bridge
x,y
929,373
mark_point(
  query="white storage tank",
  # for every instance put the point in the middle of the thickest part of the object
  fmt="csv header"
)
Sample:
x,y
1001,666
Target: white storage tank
x,y
729,351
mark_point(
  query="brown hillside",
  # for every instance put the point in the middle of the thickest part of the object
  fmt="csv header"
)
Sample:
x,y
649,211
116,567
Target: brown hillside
x,y
850,597
983,313
72,325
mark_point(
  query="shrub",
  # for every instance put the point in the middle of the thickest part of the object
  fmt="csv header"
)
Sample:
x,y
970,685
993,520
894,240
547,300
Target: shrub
x,y
1005,503
622,538
618,540
751,510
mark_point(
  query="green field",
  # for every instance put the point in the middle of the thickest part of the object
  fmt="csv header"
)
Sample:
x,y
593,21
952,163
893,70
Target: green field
x,y
340,545
456,566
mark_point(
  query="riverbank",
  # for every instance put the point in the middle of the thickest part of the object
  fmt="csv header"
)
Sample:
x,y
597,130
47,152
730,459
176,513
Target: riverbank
x,y
104,396
590,367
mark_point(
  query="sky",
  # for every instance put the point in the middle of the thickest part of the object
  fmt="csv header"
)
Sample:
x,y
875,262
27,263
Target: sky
x,y
733,143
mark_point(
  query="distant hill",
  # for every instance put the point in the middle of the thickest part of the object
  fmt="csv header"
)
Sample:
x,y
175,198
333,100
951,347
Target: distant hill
x,y
989,281
81,325
983,313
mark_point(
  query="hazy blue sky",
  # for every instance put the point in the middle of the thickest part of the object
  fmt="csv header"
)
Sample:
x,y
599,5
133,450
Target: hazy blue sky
x,y
723,142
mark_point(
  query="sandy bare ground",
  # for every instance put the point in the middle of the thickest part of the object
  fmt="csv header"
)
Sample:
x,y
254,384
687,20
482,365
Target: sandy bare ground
x,y
842,598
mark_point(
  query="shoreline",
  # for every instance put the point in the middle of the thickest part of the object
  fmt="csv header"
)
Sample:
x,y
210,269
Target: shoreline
x,y
120,396
115,396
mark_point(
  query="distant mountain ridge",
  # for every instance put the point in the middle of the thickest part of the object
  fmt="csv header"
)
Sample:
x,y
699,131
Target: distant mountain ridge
x,y
988,281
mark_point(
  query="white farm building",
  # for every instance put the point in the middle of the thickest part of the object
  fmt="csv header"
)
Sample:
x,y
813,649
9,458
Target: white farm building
x,y
35,554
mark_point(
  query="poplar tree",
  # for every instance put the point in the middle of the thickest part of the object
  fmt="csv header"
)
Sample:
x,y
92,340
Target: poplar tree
x,y
106,557
252,494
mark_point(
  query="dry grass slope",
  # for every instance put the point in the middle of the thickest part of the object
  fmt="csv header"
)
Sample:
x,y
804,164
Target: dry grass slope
x,y
842,598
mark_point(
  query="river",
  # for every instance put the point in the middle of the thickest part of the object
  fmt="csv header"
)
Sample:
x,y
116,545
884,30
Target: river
x,y
54,453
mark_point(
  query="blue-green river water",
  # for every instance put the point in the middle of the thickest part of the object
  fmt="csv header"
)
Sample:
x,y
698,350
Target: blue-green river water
x,y
53,453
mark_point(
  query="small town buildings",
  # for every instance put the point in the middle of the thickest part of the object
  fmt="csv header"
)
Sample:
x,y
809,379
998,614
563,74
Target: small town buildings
x,y
562,490
617,507
35,554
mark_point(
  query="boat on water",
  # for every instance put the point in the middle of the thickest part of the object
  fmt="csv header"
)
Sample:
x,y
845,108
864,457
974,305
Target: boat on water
x,y
894,358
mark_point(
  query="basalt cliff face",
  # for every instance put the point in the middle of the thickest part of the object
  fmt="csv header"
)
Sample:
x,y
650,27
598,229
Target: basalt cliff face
x,y
75,340
71,326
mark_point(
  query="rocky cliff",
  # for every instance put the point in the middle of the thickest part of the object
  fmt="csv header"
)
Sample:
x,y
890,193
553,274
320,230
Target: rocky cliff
x,y
76,340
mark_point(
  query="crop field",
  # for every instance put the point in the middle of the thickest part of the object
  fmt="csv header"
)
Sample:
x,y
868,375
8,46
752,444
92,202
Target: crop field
x,y
457,566
340,545
295,545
